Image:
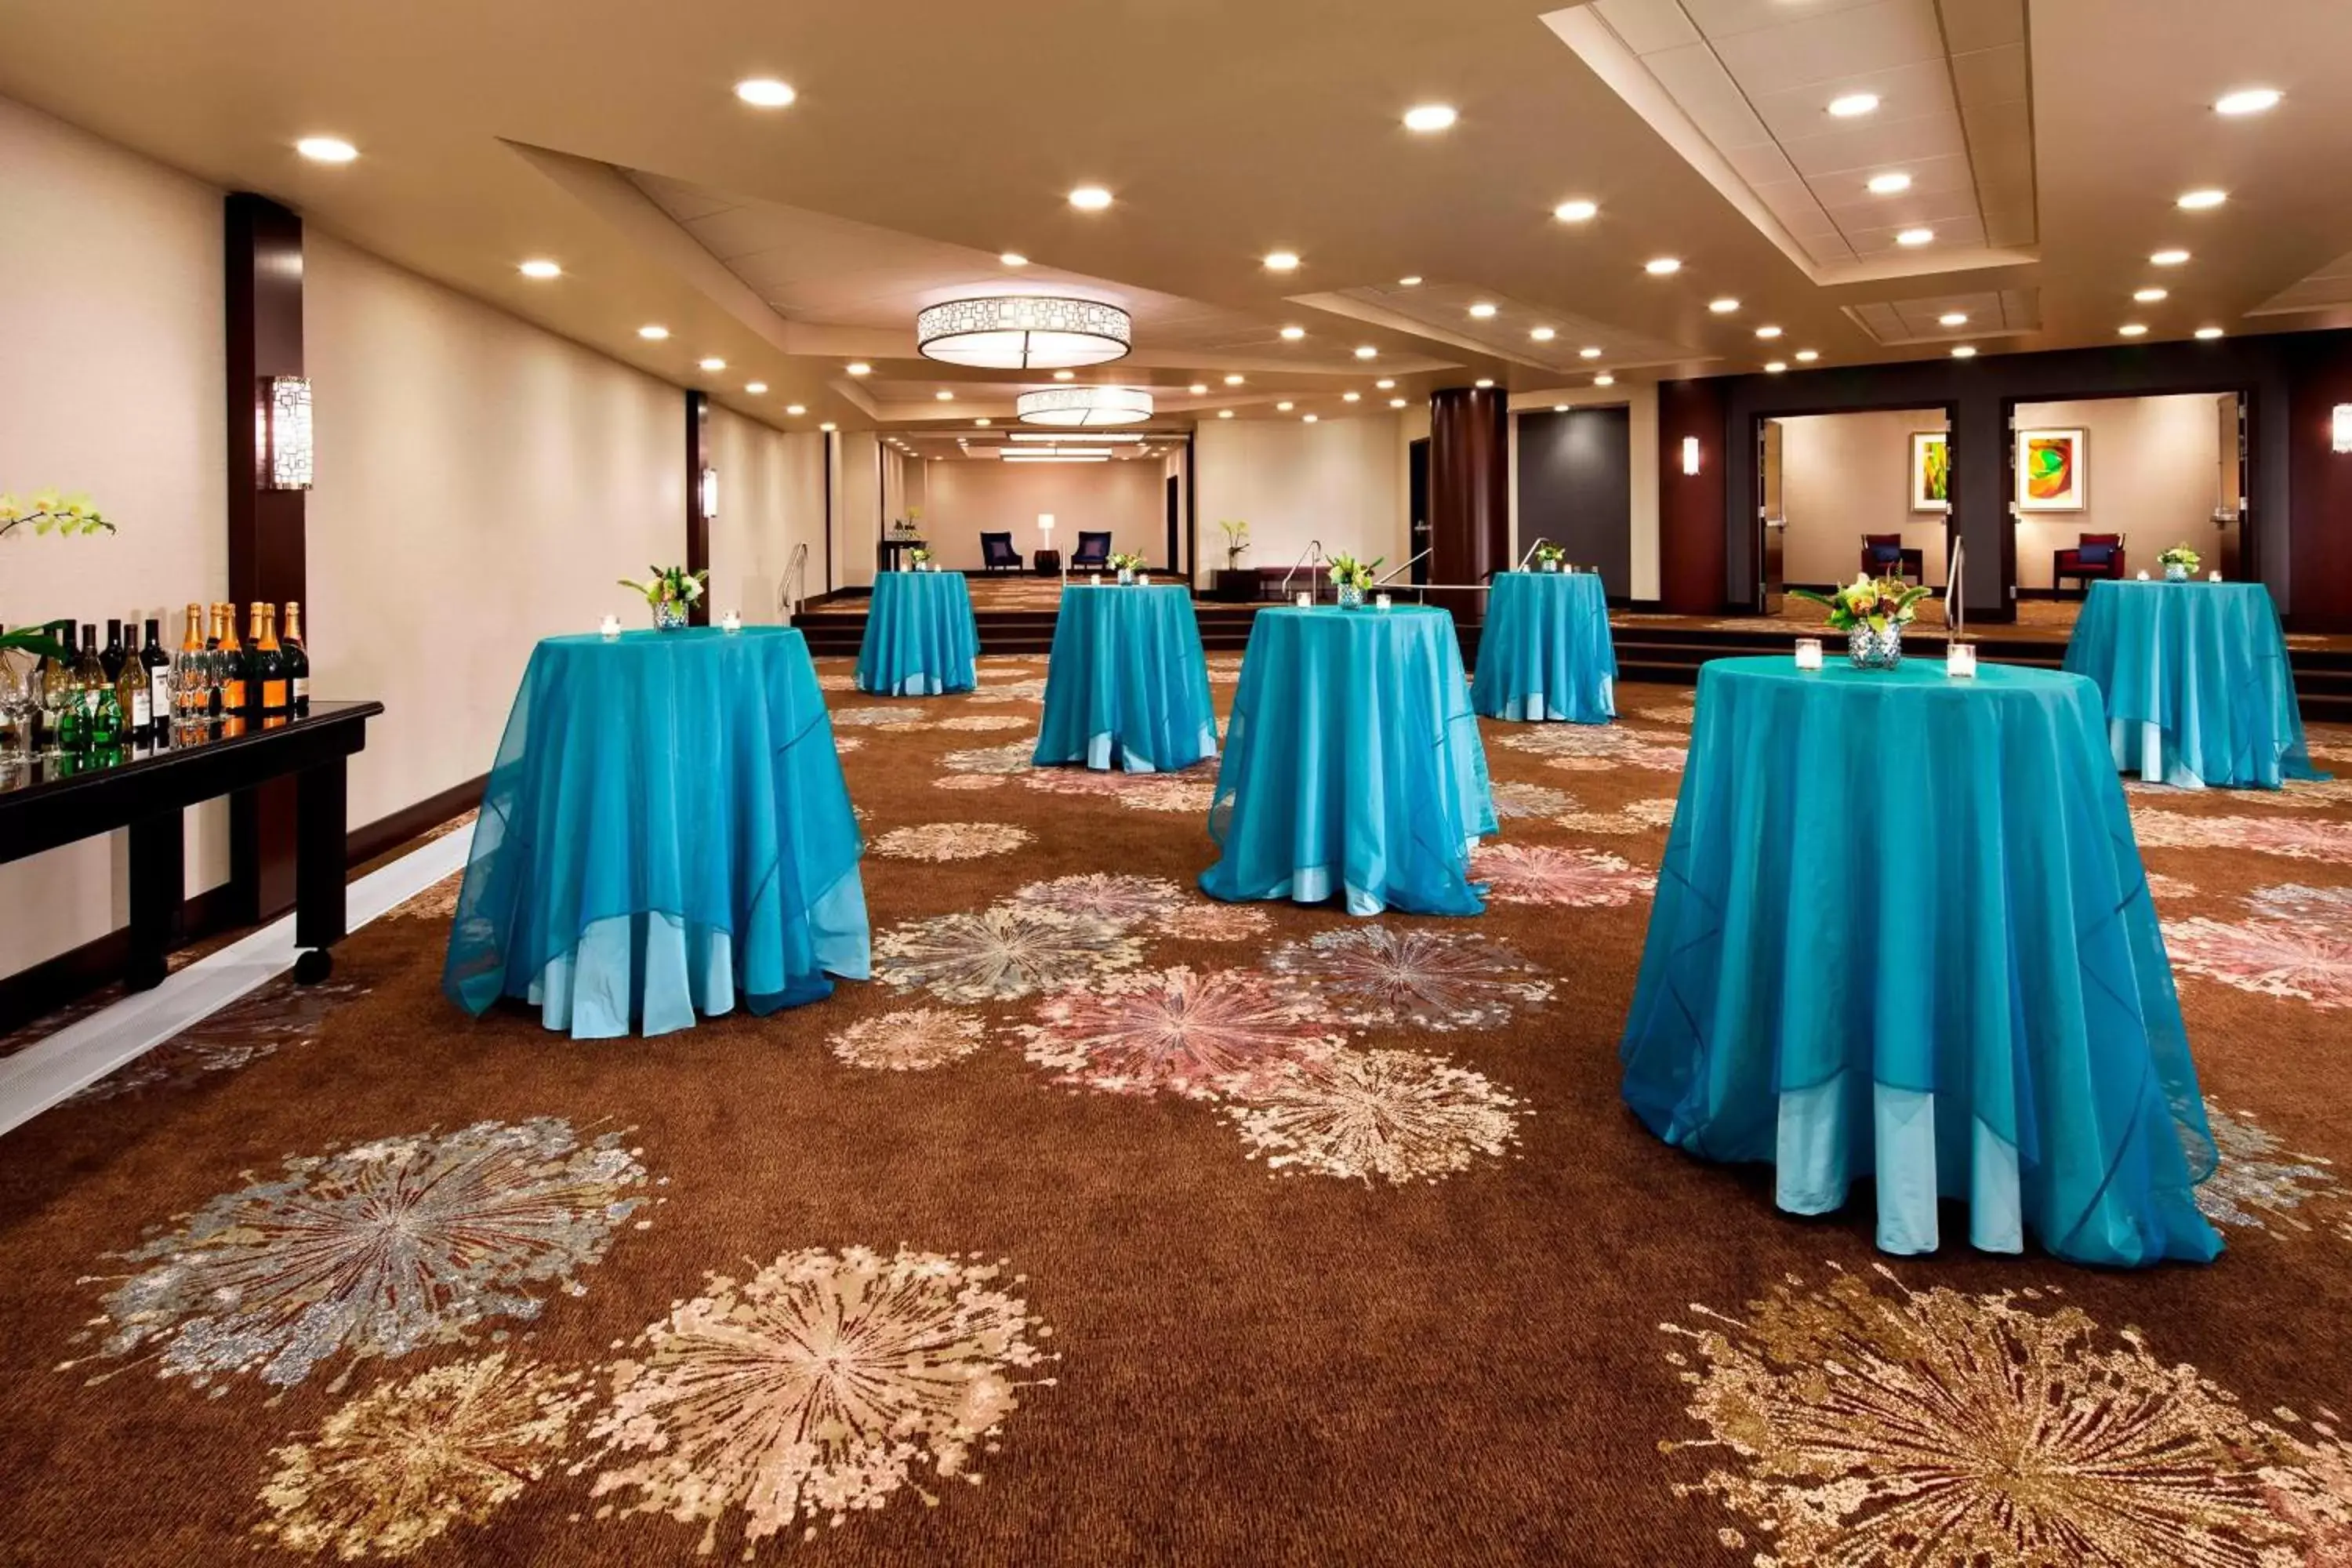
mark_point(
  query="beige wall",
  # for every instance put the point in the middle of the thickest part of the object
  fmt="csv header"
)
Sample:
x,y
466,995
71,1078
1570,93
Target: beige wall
x,y
2149,465
856,508
480,484
1339,480
771,501
110,381
1845,475
1124,495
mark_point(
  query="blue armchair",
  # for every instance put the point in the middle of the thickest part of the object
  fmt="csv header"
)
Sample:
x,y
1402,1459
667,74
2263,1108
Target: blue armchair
x,y
1093,553
997,554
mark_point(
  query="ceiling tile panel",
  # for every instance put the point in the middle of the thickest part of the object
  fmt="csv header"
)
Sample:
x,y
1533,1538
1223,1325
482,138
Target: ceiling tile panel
x,y
1724,18
1905,93
1708,94
1991,75
1648,26
1874,37
1973,24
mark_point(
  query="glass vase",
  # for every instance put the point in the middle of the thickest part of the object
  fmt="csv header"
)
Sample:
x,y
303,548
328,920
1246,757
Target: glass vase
x,y
1875,650
1125,575
1349,596
669,616
2175,574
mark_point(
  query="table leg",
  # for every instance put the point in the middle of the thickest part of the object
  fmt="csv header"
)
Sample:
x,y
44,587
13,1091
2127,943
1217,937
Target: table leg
x,y
158,877
319,828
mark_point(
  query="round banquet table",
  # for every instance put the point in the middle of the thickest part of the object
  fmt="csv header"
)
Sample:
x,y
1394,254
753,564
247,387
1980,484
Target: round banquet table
x,y
1127,685
1352,765
665,832
1998,1025
920,640
1544,652
2196,683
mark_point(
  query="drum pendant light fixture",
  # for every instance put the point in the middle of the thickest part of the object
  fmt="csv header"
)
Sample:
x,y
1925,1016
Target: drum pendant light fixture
x,y
1084,408
1024,331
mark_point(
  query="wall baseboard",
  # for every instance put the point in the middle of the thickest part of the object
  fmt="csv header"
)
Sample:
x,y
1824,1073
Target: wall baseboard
x,y
55,983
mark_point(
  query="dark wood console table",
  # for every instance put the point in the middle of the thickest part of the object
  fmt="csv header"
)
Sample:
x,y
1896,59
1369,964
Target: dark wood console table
x,y
45,805
887,552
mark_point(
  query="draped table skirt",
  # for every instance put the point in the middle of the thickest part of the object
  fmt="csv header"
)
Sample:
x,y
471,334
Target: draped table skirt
x,y
1127,685
1902,930
1352,765
1544,652
920,640
665,832
2197,685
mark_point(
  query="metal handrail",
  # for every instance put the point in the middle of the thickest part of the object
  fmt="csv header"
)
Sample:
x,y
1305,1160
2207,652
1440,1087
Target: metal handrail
x,y
791,588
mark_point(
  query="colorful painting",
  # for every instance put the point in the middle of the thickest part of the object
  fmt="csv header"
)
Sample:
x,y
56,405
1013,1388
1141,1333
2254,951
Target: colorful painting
x,y
2050,476
1931,471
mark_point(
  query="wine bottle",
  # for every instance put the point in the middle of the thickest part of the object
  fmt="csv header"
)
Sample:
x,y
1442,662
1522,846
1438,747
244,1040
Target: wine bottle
x,y
111,657
268,661
253,661
215,674
297,661
106,720
82,683
61,695
233,687
188,676
131,701
155,668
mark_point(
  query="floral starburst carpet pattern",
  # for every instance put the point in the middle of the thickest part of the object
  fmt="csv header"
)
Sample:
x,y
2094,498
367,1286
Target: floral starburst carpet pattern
x,y
1110,1223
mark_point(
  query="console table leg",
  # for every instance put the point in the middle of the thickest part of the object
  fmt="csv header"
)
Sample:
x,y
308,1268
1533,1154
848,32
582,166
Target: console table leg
x,y
157,880
319,828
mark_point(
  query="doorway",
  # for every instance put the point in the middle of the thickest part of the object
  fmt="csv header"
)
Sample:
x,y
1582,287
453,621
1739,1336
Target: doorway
x,y
1575,478
1416,485
2107,484
1844,494
1176,563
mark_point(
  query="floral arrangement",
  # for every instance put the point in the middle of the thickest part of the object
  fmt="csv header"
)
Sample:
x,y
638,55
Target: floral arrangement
x,y
49,512
676,585
1236,532
920,558
1347,571
1125,561
2181,555
1552,557
1873,602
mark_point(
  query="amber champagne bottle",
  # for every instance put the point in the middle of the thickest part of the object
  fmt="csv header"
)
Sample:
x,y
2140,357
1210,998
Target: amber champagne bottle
x,y
297,661
266,666
231,655
189,678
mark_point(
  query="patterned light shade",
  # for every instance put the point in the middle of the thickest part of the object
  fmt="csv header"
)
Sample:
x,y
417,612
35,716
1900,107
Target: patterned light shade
x,y
1025,331
2344,426
286,433
1084,408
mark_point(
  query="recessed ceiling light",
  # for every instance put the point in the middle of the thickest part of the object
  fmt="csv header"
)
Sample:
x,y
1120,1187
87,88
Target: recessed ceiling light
x,y
2168,259
1014,259
828,424
1396,402
796,409
1776,367
1590,350
2132,329
1284,407
1807,356
1225,414
1311,418
2148,295
1852,104
1560,408
1579,211
1889,185
1065,375
2208,333
1482,310
1661,265
764,92
944,396
1768,331
326,149
1412,282
2197,201
1292,334
1966,350
1428,117
1351,397
2247,101
1197,388
1915,236
653,333
1723,307
540,269
1543,335
1282,261
1232,380
1366,350
1384,384
1953,319
983,424
859,367
714,362
1090,198
1483,382
1604,379
755,387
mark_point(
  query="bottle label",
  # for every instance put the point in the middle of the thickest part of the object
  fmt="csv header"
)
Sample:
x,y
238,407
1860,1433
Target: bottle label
x,y
142,707
301,684
273,695
159,692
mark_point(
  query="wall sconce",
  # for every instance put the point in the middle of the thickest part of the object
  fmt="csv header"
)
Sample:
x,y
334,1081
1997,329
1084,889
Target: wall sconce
x,y
285,445
1690,454
2344,426
710,494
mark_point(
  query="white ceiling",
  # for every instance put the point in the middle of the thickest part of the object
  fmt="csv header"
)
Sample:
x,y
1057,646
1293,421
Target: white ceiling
x,y
2000,313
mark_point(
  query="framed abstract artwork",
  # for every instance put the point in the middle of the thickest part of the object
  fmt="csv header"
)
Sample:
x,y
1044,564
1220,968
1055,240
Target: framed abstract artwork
x,y
1931,471
2050,471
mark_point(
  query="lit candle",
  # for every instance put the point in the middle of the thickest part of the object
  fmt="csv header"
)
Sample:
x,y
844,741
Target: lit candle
x,y
610,626
1380,601
2216,577
1095,579
1809,653
2143,576
1306,601
1960,662
733,622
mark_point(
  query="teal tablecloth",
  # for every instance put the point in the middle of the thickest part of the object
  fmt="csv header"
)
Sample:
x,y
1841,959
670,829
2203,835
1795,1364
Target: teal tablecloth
x,y
1127,685
1544,652
920,637
665,832
1352,765
1901,928
2196,679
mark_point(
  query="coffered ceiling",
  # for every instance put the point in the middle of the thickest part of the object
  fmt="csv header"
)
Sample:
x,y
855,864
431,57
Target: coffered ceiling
x,y
2044,141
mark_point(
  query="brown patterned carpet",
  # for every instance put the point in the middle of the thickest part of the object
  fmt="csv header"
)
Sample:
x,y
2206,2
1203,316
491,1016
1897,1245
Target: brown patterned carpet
x,y
1114,1225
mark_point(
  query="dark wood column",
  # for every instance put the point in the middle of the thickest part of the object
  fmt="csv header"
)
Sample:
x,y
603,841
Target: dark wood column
x,y
1469,491
262,281
698,520
1695,510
